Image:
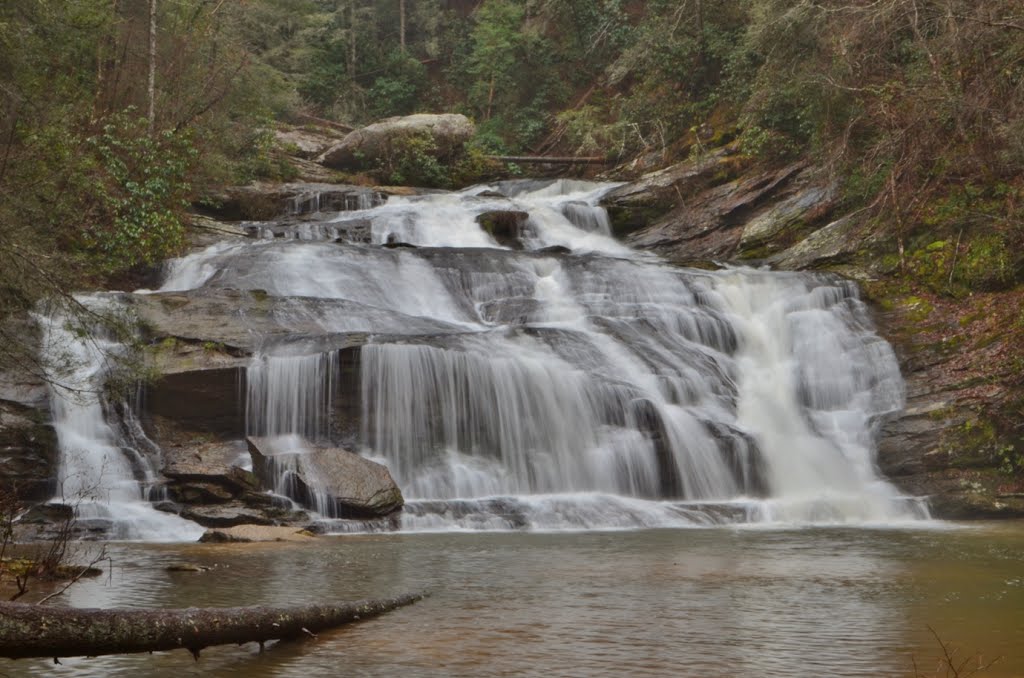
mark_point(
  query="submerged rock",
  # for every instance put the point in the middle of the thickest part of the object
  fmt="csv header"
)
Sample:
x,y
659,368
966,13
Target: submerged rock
x,y
255,533
364,148
335,481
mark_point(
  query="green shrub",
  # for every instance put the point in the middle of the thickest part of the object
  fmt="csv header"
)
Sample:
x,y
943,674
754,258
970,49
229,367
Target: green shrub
x,y
140,190
412,160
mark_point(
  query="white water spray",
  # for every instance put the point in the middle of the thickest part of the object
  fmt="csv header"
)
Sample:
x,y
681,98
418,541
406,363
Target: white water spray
x,y
101,476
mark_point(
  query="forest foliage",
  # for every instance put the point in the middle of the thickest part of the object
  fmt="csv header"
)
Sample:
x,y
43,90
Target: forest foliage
x,y
916,105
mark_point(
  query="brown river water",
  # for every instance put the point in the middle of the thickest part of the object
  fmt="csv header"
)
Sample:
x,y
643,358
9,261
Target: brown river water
x,y
700,602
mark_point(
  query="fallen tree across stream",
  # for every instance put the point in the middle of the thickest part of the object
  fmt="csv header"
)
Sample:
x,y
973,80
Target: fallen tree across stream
x,y
551,160
40,631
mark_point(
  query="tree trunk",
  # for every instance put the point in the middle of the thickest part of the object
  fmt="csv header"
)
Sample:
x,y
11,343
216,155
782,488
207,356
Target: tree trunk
x,y
37,631
151,91
352,39
490,98
401,24
551,160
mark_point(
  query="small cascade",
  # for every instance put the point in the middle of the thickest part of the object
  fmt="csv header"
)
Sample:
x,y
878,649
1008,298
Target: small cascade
x,y
307,202
103,477
290,468
587,217
290,395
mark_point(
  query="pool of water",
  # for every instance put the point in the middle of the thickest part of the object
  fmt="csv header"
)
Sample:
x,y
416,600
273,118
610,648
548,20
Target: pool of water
x,y
701,602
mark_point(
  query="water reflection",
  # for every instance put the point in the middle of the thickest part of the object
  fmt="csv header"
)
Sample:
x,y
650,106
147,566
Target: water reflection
x,y
655,603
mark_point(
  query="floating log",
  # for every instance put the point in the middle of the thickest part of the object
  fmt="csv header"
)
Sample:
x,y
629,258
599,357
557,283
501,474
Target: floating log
x,y
39,631
551,160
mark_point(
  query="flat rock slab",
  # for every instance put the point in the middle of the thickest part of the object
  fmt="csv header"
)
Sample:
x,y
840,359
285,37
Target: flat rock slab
x,y
255,533
226,515
206,461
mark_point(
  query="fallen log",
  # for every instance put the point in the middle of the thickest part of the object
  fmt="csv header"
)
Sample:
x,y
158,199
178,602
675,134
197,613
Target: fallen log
x,y
37,631
551,160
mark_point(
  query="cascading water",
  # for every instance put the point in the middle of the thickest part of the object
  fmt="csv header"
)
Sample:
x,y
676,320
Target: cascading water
x,y
600,388
101,475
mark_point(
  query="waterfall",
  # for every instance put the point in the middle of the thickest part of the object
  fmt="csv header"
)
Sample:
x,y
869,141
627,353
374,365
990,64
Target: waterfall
x,y
101,475
290,395
586,386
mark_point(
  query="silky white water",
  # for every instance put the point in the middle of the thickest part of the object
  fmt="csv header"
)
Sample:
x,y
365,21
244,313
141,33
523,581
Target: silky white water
x,y
101,475
599,388
581,387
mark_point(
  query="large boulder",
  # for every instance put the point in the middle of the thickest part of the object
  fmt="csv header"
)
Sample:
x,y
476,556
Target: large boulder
x,y
366,147
336,482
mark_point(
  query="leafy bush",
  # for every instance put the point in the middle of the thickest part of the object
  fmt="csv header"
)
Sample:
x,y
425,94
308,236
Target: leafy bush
x,y
412,160
398,90
140,190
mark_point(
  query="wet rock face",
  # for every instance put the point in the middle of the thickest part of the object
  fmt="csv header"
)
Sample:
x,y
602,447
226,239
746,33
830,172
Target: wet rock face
x,y
946,444
364,148
505,226
636,205
713,223
349,486
28,452
199,400
708,209
261,201
29,455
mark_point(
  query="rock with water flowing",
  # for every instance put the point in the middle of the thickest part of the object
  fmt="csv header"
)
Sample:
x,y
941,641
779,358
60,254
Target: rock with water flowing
x,y
336,482
505,226
561,381
364,148
262,201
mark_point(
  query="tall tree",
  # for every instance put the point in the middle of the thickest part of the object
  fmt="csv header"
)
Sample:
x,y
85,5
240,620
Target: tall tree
x,y
151,87
401,24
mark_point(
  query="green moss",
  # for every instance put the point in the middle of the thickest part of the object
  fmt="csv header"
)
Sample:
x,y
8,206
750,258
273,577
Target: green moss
x,y
971,318
761,252
918,309
941,414
626,219
986,264
979,444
